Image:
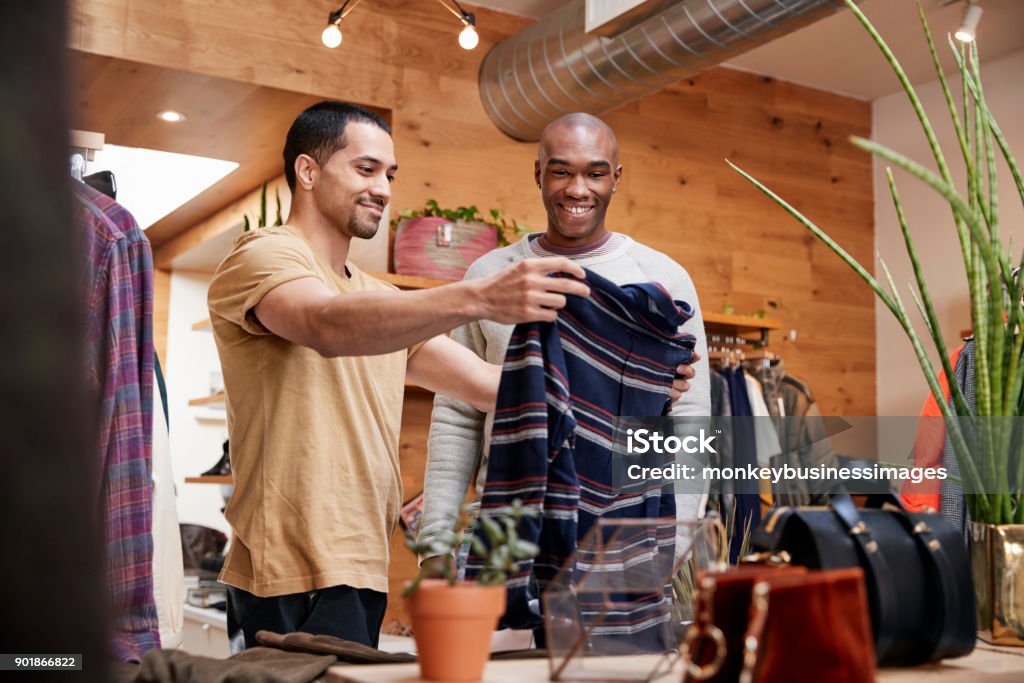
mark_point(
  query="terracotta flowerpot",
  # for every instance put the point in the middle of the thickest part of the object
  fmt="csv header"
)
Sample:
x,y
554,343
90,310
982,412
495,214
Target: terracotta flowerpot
x,y
452,626
439,248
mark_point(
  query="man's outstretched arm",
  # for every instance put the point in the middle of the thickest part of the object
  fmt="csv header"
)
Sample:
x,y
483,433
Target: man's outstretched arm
x,y
307,312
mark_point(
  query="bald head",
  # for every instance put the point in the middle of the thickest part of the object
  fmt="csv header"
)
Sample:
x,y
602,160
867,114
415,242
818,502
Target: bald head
x,y
577,171
580,125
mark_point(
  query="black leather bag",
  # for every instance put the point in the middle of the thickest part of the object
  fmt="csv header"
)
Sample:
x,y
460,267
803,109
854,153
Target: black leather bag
x,y
918,574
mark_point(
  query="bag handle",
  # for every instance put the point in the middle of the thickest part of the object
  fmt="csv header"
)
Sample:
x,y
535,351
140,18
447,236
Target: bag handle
x,y
881,577
879,500
756,622
942,571
701,632
938,562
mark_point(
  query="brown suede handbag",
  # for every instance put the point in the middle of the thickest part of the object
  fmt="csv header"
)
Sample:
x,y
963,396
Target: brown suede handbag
x,y
757,624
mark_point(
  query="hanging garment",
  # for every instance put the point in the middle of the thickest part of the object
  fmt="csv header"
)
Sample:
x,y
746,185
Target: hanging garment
x,y
720,401
929,441
765,437
611,354
747,503
119,363
952,504
802,434
720,496
168,567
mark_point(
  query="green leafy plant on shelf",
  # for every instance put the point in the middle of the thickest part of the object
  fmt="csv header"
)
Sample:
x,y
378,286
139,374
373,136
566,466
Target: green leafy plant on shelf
x,y
509,230
989,451
501,552
261,218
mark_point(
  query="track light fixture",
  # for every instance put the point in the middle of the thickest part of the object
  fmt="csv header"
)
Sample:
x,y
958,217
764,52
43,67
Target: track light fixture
x,y
331,37
468,38
969,26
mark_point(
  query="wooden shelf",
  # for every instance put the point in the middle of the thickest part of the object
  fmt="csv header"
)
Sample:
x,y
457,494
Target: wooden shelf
x,y
210,414
215,399
746,355
211,479
751,328
410,281
748,322
736,324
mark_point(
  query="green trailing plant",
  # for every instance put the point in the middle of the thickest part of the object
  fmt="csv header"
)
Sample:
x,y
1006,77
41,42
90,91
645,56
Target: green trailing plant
x,y
501,551
509,230
261,218
988,450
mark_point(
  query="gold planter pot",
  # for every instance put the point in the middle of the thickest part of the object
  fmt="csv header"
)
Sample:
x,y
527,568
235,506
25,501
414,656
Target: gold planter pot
x,y
997,560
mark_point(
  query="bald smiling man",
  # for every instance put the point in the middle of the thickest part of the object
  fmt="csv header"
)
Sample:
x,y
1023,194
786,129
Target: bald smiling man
x,y
577,171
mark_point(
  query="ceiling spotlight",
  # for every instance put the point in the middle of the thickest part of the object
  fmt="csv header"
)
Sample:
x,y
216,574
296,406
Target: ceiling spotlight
x,y
969,26
469,38
331,37
170,116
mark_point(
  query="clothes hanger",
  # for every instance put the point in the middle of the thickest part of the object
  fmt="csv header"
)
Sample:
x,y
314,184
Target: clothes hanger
x,y
77,166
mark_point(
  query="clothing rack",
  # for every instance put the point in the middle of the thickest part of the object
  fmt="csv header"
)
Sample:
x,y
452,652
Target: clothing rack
x,y
737,339
84,145
731,357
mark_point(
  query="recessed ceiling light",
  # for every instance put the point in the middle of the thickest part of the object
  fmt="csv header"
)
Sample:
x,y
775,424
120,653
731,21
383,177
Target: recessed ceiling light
x,y
170,116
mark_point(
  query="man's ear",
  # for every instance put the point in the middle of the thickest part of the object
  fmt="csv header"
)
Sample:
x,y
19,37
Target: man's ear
x,y
536,171
617,176
307,172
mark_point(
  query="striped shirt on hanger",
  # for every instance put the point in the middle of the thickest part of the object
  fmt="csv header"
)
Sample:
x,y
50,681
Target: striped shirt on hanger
x,y
562,386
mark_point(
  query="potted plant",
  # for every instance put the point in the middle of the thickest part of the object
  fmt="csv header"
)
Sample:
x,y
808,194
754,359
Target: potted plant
x,y
446,612
261,219
442,243
988,447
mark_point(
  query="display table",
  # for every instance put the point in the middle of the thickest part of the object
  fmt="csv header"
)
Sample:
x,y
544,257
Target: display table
x,y
987,664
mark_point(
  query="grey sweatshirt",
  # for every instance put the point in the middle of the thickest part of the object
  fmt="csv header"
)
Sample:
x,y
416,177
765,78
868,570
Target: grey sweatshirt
x,y
460,434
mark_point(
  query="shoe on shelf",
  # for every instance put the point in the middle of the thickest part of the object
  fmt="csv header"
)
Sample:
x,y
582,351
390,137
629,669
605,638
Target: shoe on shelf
x,y
223,465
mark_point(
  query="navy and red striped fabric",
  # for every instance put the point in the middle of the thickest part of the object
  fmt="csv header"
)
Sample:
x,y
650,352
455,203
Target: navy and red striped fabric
x,y
563,384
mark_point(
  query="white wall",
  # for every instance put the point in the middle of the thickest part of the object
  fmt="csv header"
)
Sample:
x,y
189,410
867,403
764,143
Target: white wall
x,y
901,388
195,444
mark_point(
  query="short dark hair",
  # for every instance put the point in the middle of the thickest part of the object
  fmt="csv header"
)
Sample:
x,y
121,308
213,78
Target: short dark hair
x,y
320,132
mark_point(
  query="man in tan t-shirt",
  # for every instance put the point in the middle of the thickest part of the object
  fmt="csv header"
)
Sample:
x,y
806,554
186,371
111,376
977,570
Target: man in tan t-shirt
x,y
315,354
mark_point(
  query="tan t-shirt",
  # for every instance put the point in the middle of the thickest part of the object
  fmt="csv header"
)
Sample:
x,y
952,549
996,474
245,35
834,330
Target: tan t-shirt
x,y
314,440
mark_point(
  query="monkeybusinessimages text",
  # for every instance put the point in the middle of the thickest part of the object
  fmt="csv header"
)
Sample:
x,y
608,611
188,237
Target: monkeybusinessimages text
x,y
647,442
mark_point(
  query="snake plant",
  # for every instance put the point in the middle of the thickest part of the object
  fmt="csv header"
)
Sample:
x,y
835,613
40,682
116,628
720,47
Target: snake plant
x,y
988,450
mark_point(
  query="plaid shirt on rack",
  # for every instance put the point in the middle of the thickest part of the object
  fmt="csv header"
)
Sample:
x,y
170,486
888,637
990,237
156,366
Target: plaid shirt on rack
x,y
118,285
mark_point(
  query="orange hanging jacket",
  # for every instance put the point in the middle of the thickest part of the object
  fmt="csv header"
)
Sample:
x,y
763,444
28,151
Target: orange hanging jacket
x,y
929,441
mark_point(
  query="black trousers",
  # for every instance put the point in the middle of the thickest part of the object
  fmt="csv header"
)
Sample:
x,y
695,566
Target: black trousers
x,y
354,614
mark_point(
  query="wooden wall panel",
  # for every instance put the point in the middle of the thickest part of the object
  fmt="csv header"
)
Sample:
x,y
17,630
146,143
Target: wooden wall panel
x,y
677,193
161,307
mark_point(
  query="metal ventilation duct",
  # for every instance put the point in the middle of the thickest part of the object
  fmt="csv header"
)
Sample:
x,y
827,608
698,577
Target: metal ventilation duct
x,y
554,67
